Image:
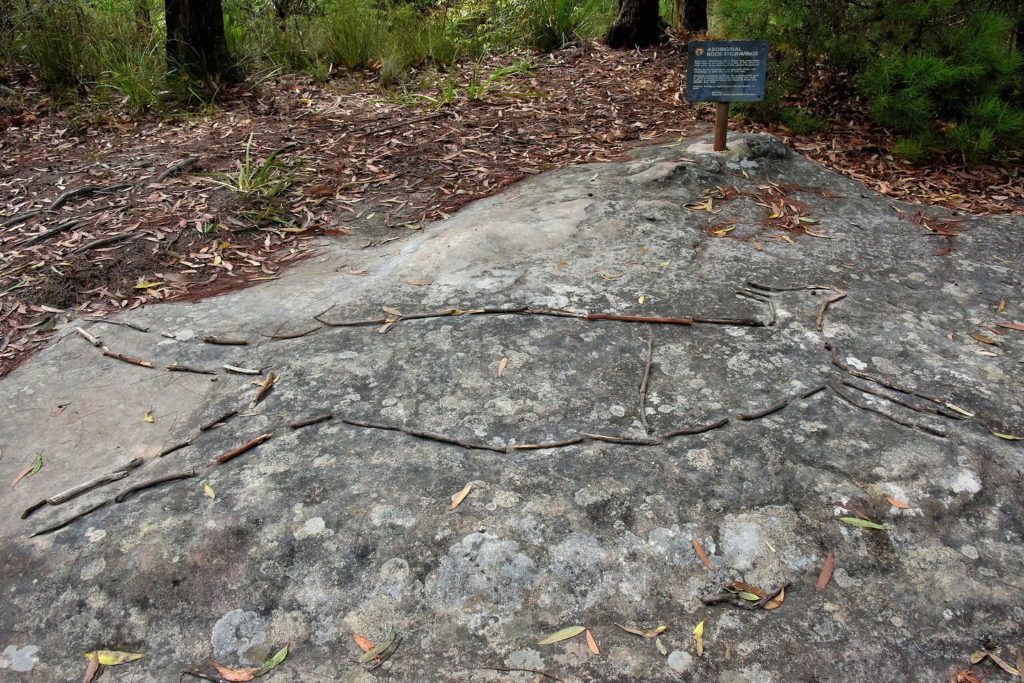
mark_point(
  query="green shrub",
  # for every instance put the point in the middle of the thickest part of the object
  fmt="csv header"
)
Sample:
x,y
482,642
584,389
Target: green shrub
x,y
941,74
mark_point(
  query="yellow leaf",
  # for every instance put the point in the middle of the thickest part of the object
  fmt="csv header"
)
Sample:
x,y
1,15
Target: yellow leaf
x,y
113,657
146,285
698,638
148,417
461,495
564,634
983,338
776,602
1008,437
208,491
641,299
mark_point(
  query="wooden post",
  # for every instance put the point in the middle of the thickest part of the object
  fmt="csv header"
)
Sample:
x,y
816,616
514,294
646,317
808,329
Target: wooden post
x,y
721,125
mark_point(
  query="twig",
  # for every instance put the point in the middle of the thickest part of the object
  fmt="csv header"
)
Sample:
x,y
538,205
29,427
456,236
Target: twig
x,y
644,377
127,359
88,337
241,371
695,430
546,675
224,341
150,483
133,326
293,335
881,381
175,168
69,520
311,421
814,390
740,322
899,421
655,320
85,487
265,387
175,447
63,227
819,322
20,218
626,441
893,399
249,445
102,242
541,446
764,412
177,367
728,598
223,418
84,190
429,436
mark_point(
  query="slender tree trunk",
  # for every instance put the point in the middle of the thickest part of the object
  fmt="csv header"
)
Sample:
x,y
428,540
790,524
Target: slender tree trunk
x,y
695,16
195,40
638,24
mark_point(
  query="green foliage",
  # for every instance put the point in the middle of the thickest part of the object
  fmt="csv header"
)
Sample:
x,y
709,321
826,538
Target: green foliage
x,y
550,24
941,74
257,180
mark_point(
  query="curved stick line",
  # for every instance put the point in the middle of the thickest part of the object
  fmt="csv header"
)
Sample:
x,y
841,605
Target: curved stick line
x,y
776,407
903,423
695,430
63,523
892,399
143,485
645,377
421,434
833,351
293,335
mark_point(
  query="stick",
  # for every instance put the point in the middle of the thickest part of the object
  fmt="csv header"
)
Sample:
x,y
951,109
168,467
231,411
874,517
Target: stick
x,y
743,322
876,411
518,668
249,445
241,371
127,359
644,377
75,491
626,441
102,242
223,341
176,168
175,447
887,383
150,483
695,430
893,399
293,335
764,412
429,436
638,319
814,390
176,367
223,418
265,386
66,225
541,446
819,322
88,337
140,328
311,421
20,218
69,520
84,190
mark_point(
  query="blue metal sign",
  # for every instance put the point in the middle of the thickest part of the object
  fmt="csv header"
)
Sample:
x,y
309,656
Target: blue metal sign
x,y
726,70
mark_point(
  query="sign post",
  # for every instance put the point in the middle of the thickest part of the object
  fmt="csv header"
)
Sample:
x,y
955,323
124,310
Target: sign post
x,y
724,71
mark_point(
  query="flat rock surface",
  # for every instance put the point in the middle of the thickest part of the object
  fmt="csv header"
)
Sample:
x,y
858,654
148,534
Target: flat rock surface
x,y
345,526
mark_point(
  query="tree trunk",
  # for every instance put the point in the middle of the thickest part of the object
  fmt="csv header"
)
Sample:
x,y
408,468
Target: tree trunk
x,y
638,25
195,40
695,16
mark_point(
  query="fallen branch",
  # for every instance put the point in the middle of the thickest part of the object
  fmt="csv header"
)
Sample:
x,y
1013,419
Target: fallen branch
x,y
224,341
623,440
241,371
881,381
543,674
175,447
176,168
695,430
88,337
150,483
764,412
876,411
650,320
63,227
293,335
429,436
102,242
541,446
311,421
177,367
223,418
127,359
133,326
249,445
892,399
644,378
69,520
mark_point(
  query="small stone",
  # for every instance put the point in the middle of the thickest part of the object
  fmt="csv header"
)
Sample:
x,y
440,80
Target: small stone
x,y
680,661
969,551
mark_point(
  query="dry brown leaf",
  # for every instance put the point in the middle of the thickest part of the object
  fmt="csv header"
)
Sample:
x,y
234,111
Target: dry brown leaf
x,y
898,504
744,587
92,669
826,573
643,632
502,364
701,555
1012,326
461,495
338,232
983,338
391,311
777,601
1001,306
234,675
591,643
